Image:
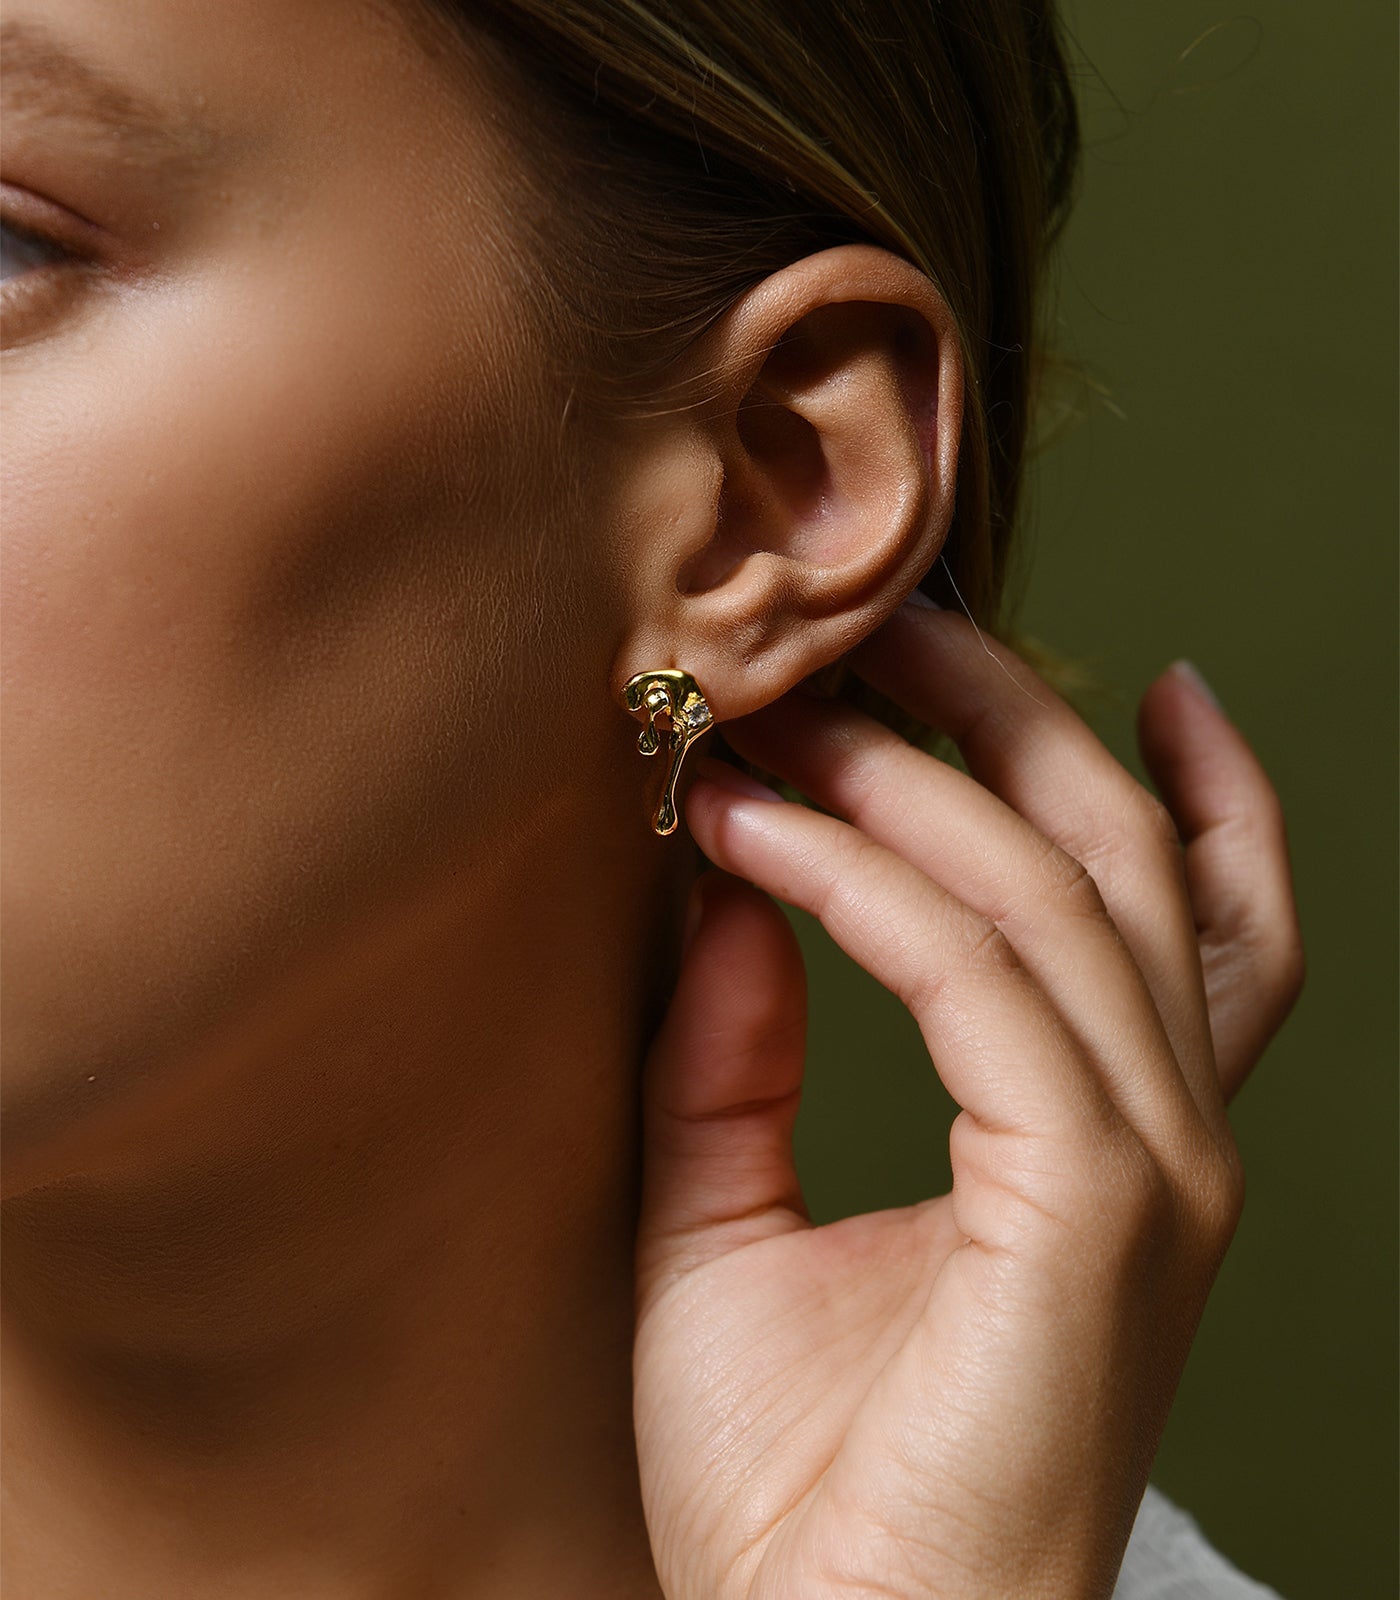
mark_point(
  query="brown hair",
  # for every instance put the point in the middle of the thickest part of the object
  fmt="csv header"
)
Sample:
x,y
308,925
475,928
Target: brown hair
x,y
692,147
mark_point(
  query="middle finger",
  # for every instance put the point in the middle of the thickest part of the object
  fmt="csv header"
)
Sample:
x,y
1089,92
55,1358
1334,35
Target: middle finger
x,y
974,845
1026,745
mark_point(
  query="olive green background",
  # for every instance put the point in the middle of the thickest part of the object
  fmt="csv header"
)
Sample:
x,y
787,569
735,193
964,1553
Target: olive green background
x,y
1229,278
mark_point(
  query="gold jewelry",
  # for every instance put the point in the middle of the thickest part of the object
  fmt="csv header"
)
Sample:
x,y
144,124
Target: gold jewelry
x,y
674,694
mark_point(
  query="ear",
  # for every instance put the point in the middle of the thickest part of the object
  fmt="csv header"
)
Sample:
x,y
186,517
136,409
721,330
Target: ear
x,y
770,528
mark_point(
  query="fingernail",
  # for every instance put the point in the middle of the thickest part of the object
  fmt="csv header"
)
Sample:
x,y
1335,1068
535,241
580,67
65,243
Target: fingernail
x,y
917,600
727,777
1191,673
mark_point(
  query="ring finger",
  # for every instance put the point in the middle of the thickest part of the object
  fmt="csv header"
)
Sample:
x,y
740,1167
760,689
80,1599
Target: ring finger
x,y
1023,743
978,848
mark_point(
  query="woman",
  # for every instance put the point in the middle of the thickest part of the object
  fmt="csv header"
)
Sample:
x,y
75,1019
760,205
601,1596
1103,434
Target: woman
x,y
394,1207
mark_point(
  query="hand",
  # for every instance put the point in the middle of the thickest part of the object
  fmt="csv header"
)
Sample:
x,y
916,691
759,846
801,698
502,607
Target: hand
x,y
962,1397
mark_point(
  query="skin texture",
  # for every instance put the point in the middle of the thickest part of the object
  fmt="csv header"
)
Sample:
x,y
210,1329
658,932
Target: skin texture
x,y
961,1397
335,938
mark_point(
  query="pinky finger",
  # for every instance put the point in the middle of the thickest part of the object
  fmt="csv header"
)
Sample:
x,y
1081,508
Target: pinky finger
x,y
1237,868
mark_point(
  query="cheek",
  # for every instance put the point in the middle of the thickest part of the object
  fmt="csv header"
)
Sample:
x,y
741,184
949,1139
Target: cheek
x,y
267,608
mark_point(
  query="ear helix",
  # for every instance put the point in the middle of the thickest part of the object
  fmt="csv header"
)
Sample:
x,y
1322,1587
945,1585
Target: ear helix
x,y
674,696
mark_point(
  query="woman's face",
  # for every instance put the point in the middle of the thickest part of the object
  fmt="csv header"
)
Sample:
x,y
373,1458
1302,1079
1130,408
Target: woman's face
x,y
285,551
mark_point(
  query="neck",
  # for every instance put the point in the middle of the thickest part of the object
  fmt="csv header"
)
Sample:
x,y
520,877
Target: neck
x,y
357,1320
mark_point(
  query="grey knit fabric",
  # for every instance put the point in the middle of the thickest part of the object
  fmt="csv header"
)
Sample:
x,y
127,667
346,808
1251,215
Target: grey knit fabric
x,y
1169,1558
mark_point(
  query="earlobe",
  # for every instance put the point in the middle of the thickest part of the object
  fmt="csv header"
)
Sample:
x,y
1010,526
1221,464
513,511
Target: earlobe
x,y
813,488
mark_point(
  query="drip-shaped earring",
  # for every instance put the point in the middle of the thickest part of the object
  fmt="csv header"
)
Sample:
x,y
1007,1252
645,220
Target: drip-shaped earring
x,y
670,693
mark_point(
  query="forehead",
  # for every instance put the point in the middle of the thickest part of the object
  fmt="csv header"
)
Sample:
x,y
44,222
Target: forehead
x,y
188,82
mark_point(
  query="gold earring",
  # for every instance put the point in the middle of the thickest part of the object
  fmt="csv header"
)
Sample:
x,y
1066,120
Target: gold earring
x,y
674,694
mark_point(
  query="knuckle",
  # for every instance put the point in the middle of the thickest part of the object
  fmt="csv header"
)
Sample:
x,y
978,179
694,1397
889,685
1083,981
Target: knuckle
x,y
1228,1193
1292,969
1123,1183
1148,1199
1073,884
1258,829
985,945
1155,1215
1217,1200
863,772
1266,813
1270,949
1141,828
1152,818
977,946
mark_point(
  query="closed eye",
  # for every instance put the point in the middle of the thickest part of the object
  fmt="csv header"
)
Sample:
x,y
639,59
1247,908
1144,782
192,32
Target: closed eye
x,y
22,251
47,255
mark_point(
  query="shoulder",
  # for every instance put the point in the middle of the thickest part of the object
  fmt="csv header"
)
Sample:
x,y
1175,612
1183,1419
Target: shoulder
x,y
1169,1558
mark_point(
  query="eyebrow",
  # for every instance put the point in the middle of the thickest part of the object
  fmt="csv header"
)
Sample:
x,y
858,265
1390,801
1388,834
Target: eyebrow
x,y
40,74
